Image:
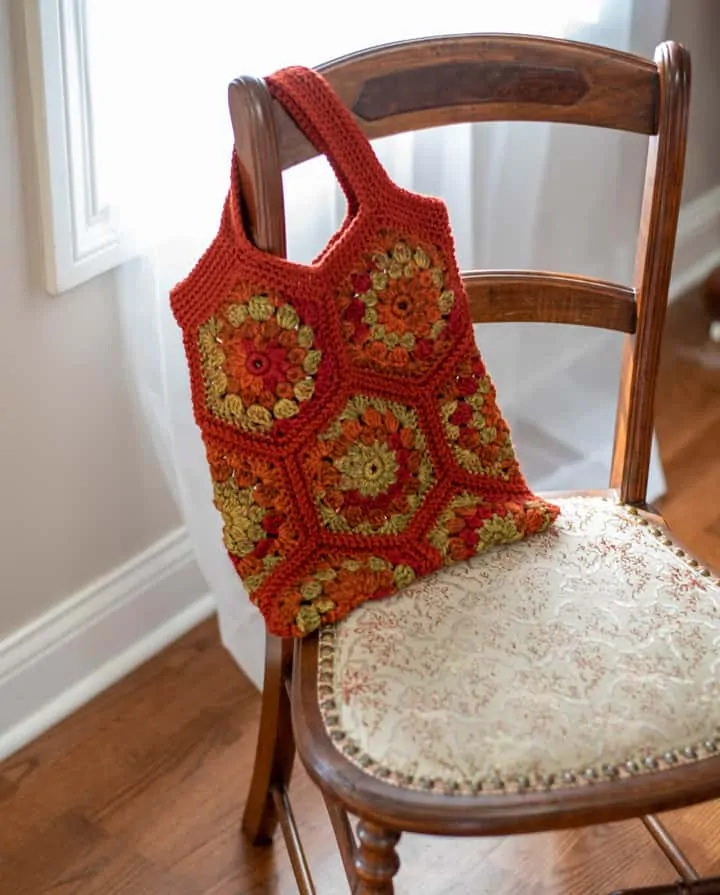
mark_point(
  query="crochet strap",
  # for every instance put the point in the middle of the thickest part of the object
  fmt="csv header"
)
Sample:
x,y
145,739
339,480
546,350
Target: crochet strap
x,y
326,122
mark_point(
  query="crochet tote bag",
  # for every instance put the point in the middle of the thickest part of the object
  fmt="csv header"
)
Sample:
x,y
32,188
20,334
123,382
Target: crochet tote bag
x,y
352,431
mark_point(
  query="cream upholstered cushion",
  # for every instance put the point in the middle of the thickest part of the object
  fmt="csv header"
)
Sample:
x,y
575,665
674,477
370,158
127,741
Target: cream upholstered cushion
x,y
591,650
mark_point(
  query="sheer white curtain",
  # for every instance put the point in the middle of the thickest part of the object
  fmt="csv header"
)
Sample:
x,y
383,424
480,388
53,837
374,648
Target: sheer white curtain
x,y
520,195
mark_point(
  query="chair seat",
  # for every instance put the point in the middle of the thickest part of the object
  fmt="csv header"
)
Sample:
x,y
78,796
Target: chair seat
x,y
591,651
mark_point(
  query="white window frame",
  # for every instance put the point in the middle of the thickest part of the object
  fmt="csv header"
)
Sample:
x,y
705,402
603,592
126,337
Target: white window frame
x,y
79,239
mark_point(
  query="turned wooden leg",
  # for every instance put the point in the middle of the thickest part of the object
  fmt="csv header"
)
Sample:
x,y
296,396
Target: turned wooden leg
x,y
376,862
275,747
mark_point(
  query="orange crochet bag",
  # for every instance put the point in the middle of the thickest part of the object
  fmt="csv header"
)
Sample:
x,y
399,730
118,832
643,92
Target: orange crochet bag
x,y
351,428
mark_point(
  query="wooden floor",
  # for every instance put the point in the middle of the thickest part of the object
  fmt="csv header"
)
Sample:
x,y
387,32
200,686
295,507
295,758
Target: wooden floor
x,y
141,792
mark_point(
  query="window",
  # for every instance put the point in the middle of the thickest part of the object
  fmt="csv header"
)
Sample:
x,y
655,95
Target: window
x,y
90,58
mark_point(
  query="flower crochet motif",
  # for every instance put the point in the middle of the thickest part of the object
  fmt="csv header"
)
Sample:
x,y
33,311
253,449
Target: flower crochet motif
x,y
370,469
395,306
352,432
259,360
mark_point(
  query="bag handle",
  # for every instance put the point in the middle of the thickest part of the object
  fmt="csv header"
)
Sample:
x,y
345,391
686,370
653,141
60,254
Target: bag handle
x,y
328,124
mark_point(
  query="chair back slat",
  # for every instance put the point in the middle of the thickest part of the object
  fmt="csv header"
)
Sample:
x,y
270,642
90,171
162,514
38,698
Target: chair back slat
x,y
519,296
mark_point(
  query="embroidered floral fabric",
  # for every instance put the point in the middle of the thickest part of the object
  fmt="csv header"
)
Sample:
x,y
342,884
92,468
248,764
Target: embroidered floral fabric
x,y
589,652
352,431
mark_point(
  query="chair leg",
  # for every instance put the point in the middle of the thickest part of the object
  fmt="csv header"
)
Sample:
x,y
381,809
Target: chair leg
x,y
345,839
275,746
377,861
672,851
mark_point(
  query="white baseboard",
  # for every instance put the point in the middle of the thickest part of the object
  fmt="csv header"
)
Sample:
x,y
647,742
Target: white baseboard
x,y
697,249
58,662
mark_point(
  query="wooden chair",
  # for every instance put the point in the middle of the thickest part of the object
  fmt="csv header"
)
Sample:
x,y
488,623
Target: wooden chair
x,y
415,85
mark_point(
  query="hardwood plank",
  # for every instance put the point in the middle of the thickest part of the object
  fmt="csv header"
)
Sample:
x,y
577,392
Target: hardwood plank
x,y
688,430
72,856
696,830
142,713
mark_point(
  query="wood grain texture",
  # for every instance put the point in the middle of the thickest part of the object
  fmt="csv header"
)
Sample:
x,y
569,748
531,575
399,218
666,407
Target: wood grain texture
x,y
501,296
653,266
377,860
485,77
275,754
688,430
256,149
142,791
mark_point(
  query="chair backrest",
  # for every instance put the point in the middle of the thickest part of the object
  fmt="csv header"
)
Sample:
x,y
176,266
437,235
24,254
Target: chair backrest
x,y
488,77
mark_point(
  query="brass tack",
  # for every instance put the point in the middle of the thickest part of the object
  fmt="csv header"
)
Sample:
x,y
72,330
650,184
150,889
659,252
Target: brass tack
x,y
332,720
476,787
694,563
680,551
569,777
426,783
670,757
523,782
633,511
658,532
710,745
547,779
452,787
351,749
609,770
329,705
632,766
643,522
365,761
650,762
497,783
590,774
705,573
383,773
667,542
338,735
689,752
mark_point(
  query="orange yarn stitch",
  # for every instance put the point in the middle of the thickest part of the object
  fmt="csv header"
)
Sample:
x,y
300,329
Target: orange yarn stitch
x,y
352,431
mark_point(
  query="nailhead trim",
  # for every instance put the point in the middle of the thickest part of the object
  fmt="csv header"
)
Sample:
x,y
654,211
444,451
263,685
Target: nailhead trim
x,y
496,784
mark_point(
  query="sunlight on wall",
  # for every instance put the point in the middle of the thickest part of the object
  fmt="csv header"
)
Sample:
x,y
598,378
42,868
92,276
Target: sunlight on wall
x,y
159,71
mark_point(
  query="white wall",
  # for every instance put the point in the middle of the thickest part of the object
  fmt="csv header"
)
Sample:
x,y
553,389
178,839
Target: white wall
x,y
696,23
80,490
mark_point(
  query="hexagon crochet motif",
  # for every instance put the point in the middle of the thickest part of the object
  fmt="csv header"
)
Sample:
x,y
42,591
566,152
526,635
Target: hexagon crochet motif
x,y
352,431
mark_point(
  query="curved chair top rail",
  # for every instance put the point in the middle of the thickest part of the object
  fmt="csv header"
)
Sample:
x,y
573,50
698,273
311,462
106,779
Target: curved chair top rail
x,y
485,77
